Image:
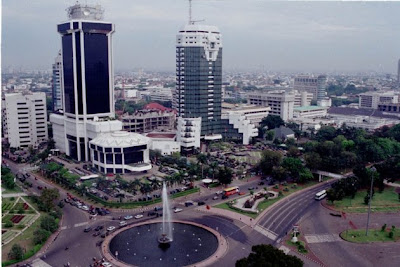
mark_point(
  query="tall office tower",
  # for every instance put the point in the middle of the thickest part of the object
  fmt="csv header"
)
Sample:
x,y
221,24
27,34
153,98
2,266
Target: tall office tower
x,y
87,81
199,79
321,87
25,119
56,84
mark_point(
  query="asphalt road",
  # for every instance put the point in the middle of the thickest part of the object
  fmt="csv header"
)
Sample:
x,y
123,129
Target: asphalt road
x,y
280,219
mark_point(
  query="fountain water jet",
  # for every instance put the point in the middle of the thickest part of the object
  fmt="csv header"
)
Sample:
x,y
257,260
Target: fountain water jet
x,y
166,234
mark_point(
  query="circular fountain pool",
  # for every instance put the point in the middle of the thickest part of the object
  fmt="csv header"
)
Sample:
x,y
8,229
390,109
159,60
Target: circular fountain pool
x,y
139,245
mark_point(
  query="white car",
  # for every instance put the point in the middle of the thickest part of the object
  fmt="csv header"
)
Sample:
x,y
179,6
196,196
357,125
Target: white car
x,y
177,210
138,216
218,192
86,208
128,217
215,197
122,223
106,264
111,228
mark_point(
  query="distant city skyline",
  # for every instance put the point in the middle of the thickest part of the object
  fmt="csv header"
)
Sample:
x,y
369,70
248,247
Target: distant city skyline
x,y
258,35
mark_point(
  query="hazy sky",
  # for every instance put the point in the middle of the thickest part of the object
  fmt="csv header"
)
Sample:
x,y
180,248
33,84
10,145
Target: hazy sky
x,y
257,34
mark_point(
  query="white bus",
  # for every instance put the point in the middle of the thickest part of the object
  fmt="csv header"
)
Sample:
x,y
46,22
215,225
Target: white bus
x,y
320,195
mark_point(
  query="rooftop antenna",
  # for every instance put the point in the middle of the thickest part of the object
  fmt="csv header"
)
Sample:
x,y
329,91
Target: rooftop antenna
x,y
192,22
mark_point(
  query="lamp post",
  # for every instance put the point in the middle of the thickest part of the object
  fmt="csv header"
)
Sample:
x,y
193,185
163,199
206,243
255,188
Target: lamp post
x,y
372,173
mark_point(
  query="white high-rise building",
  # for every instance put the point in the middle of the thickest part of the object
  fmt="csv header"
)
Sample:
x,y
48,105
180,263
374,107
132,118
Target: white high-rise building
x,y
199,78
25,119
57,93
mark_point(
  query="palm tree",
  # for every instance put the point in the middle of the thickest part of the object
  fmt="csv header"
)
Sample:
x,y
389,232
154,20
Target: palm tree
x,y
202,159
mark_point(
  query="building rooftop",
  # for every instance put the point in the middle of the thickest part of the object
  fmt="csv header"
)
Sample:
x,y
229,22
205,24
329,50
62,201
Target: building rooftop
x,y
309,108
359,112
120,139
157,106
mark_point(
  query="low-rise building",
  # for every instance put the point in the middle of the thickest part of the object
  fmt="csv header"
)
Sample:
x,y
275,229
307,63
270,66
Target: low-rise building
x,y
281,103
120,152
165,142
372,99
309,112
148,120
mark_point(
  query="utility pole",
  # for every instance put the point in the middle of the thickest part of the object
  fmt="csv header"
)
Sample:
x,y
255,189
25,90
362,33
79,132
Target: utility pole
x,y
372,173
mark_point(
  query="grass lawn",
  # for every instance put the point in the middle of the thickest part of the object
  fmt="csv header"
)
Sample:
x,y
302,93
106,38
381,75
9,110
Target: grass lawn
x,y
387,201
25,240
16,189
374,235
300,246
286,191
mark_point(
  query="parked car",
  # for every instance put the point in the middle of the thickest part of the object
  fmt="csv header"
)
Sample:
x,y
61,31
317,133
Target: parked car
x,y
188,203
176,210
224,197
98,228
87,229
201,203
261,183
138,216
157,208
215,197
122,223
111,228
151,213
128,217
251,188
96,233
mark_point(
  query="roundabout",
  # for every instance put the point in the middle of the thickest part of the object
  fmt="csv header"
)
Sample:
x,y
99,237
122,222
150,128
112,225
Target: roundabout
x,y
139,245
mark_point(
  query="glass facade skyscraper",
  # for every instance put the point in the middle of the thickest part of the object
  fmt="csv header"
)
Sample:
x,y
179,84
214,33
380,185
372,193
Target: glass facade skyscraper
x,y
199,76
87,77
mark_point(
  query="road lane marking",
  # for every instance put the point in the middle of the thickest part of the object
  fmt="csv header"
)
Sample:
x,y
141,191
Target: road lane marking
x,y
266,232
322,238
81,224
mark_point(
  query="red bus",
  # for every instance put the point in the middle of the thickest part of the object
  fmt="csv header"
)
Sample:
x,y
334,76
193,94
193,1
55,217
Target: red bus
x,y
231,190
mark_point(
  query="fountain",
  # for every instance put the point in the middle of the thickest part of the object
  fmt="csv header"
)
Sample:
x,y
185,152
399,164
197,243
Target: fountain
x,y
137,245
166,234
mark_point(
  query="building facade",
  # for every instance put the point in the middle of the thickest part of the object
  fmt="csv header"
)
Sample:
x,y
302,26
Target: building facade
x,y
199,77
314,85
120,152
87,82
373,99
280,102
57,93
25,119
145,121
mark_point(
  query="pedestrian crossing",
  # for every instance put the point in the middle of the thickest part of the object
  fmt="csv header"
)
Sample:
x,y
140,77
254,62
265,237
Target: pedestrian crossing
x,y
322,238
268,233
40,263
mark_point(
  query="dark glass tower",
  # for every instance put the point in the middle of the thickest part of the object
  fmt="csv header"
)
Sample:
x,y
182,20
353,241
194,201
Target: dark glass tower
x,y
87,78
87,64
199,76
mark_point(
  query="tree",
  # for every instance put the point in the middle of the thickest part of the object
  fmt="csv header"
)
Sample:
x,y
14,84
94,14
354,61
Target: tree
x,y
40,236
279,173
293,166
8,180
313,160
326,133
268,256
48,223
272,122
224,175
47,199
16,252
269,135
269,160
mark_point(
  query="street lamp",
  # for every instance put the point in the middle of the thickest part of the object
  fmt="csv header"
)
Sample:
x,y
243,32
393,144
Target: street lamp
x,y
373,169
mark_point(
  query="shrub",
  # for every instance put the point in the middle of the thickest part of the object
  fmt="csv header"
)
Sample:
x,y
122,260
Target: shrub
x,y
276,186
383,228
21,226
391,234
8,224
286,189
